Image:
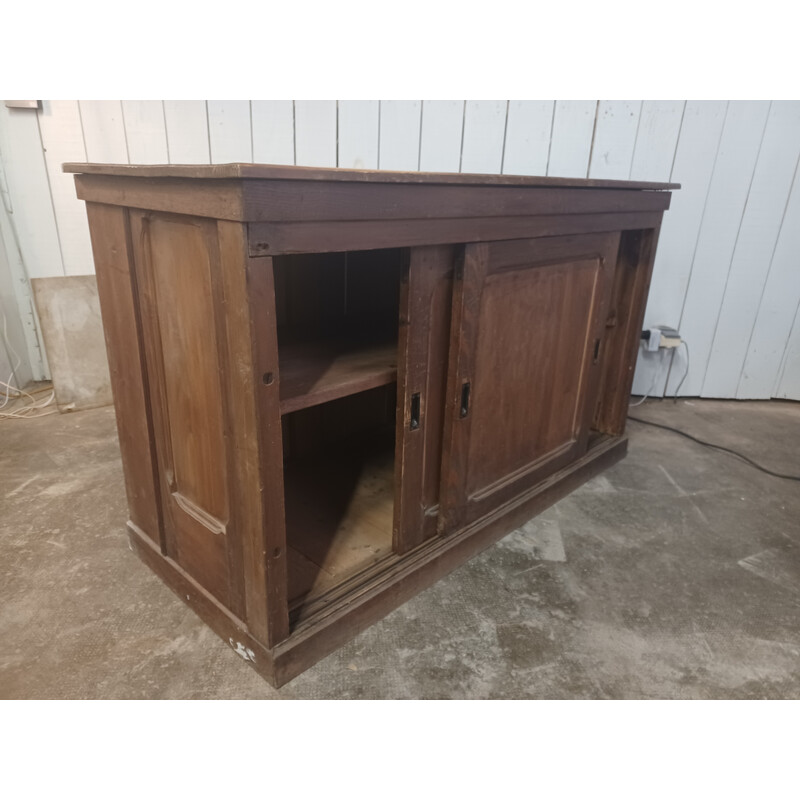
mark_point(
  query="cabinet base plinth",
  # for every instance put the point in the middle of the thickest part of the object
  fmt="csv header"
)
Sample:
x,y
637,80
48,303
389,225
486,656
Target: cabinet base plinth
x,y
347,615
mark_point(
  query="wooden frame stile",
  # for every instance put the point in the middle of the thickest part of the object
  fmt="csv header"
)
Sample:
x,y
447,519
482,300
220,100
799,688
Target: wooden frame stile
x,y
422,354
109,227
633,272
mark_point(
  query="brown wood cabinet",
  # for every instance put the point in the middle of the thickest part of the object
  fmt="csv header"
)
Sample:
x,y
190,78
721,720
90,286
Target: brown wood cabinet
x,y
334,386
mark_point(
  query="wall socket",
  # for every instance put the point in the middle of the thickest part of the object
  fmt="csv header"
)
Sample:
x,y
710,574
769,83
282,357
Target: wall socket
x,y
661,337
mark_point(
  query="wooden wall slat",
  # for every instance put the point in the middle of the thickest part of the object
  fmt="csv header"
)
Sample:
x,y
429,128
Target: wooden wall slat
x,y
694,159
145,131
484,134
273,131
614,138
187,131
788,387
358,134
399,134
442,130
571,139
725,272
755,245
62,140
104,131
28,192
727,196
772,330
229,131
315,133
657,139
528,137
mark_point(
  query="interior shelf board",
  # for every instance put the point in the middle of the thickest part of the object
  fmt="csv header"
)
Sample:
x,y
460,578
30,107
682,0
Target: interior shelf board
x,y
312,373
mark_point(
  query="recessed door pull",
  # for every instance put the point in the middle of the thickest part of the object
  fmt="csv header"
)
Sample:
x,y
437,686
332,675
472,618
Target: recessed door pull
x,y
465,388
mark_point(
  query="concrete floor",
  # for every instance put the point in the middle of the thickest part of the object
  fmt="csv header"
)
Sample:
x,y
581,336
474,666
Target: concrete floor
x,y
676,574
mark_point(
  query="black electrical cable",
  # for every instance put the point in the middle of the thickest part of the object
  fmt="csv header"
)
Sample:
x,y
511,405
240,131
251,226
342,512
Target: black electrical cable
x,y
718,447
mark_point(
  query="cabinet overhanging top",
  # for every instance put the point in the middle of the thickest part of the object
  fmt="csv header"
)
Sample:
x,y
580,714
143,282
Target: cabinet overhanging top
x,y
283,173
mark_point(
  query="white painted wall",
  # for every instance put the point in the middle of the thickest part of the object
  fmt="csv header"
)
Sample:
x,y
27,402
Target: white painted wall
x,y
727,272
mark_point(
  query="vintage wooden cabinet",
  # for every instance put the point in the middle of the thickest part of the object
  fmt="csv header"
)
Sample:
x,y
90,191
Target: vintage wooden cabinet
x,y
334,386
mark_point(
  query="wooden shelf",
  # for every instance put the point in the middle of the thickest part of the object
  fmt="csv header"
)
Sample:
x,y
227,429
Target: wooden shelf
x,y
317,372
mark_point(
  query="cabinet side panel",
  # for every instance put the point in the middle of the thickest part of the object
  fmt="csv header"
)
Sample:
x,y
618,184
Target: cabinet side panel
x,y
632,274
110,234
184,350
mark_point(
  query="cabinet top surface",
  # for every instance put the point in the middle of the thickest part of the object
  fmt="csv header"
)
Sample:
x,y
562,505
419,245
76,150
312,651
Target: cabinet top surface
x,y
279,172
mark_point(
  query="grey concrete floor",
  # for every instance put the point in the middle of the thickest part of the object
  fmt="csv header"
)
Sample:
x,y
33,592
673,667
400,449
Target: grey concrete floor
x,y
676,574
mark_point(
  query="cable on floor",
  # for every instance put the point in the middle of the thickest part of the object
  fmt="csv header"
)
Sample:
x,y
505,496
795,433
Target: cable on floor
x,y
744,458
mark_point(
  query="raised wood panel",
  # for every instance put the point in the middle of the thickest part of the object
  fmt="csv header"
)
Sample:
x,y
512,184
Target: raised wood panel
x,y
512,419
788,384
183,338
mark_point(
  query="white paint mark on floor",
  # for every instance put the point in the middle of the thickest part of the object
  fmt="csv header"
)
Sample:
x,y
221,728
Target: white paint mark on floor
x,y
22,486
776,565
539,538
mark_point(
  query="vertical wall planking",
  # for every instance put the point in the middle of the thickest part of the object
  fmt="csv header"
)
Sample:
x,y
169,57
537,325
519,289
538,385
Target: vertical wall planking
x,y
755,245
440,138
788,386
62,141
399,134
656,140
571,139
653,158
614,139
28,197
104,131
695,155
484,136
530,124
358,134
273,131
15,365
315,133
727,195
776,313
229,131
145,132
187,131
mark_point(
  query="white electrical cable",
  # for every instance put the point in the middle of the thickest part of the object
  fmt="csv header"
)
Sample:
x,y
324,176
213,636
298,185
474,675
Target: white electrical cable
x,y
24,411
